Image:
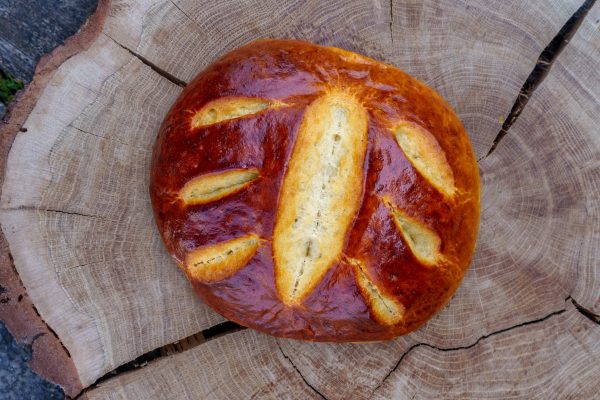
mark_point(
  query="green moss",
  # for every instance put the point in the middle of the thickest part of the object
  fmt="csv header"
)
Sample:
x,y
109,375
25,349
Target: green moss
x,y
8,87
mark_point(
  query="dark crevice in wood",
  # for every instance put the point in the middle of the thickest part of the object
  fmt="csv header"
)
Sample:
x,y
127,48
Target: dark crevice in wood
x,y
208,334
70,213
170,77
392,21
52,210
122,142
49,330
222,329
448,349
541,69
585,312
321,395
37,336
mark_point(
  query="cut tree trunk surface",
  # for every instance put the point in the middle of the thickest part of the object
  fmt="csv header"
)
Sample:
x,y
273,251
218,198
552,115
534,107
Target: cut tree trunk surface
x,y
524,324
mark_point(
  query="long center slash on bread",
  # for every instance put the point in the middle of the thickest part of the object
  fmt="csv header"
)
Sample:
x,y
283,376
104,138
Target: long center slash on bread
x,y
320,194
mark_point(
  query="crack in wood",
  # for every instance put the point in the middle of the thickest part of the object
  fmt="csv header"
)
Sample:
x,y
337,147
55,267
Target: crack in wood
x,y
168,76
449,349
52,210
47,327
595,318
35,310
187,343
11,262
189,17
35,338
109,139
392,21
541,70
321,395
79,266
222,329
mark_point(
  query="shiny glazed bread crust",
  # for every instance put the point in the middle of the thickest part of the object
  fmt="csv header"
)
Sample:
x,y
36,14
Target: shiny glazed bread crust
x,y
312,193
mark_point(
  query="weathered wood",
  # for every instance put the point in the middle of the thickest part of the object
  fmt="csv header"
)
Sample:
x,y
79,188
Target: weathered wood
x,y
556,358
108,290
517,363
556,140
16,308
259,370
76,214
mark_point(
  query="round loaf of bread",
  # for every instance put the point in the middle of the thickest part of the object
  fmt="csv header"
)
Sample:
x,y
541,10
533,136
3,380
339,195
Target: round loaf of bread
x,y
312,193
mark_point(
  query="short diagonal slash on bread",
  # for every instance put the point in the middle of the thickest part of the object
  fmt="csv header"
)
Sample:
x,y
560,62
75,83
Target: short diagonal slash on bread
x,y
211,187
222,260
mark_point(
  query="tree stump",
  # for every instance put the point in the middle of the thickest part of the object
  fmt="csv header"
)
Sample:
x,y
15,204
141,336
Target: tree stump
x,y
76,214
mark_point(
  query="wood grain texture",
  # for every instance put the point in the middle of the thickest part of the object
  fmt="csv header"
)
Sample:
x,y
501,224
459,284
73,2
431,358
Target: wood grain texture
x,y
184,36
476,56
257,372
556,139
76,214
551,359
50,359
82,211
509,364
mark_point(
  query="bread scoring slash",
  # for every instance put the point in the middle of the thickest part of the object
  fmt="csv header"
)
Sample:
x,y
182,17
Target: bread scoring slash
x,y
313,193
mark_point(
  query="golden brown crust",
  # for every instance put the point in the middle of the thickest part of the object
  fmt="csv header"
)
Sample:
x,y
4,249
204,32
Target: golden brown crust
x,y
313,193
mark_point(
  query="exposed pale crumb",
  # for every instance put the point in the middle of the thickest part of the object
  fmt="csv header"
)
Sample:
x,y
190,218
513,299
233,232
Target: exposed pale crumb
x,y
211,187
426,155
227,108
320,194
385,309
423,242
222,260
